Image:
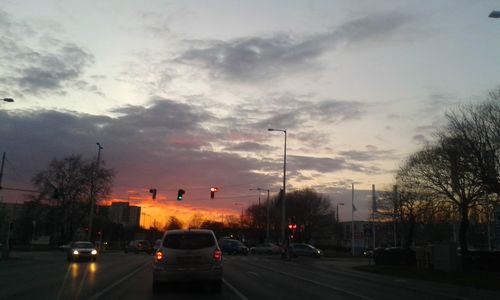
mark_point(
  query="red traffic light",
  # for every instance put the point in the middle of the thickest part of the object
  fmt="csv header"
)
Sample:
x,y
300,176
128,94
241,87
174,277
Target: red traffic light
x,y
212,191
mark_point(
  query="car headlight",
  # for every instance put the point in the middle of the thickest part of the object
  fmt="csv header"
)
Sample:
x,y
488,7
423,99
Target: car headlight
x,y
75,252
94,252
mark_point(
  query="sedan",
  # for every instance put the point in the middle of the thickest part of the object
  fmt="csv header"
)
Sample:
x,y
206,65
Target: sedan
x,y
304,250
82,250
266,248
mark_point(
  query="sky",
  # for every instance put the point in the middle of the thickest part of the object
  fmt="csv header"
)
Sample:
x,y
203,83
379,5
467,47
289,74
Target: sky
x,y
181,94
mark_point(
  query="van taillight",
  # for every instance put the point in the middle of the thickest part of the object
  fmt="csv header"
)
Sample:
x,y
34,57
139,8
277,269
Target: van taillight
x,y
159,256
217,254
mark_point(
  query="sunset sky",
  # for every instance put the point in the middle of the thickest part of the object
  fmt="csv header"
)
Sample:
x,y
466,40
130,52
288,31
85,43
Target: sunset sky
x,y
180,94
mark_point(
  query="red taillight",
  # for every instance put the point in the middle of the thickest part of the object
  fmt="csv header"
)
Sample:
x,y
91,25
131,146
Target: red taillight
x,y
217,254
159,256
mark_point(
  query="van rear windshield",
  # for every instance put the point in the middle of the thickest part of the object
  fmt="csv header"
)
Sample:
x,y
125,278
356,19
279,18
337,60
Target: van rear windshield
x,y
188,241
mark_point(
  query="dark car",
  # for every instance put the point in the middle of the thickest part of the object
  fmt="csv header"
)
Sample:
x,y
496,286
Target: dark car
x,y
295,250
231,246
266,248
137,246
82,250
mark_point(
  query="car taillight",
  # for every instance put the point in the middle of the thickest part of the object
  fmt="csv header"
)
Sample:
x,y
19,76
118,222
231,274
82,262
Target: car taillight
x,y
217,254
159,256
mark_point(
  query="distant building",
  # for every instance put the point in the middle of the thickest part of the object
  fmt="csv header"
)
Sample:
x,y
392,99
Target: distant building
x,y
125,214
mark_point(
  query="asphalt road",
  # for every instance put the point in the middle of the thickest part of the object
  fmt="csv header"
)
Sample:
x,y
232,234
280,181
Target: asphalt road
x,y
47,275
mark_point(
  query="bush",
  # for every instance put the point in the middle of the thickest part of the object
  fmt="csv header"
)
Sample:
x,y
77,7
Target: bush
x,y
394,256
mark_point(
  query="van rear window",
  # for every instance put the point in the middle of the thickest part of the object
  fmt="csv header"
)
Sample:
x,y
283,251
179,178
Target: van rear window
x,y
188,241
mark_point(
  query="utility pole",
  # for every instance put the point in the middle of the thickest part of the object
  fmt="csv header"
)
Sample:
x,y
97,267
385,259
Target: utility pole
x,y
352,221
374,210
1,169
92,191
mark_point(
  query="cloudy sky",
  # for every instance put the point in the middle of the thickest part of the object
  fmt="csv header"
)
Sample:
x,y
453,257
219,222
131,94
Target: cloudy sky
x,y
181,93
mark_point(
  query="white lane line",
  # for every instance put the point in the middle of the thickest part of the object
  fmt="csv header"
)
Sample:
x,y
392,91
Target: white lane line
x,y
110,287
318,283
238,293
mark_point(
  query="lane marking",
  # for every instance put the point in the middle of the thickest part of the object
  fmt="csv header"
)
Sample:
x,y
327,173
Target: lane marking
x,y
112,286
316,283
238,293
253,273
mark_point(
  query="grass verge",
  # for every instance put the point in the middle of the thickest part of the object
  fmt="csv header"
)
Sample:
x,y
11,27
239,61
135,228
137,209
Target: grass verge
x,y
483,279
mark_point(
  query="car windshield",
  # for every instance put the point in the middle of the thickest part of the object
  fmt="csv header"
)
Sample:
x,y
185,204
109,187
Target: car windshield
x,y
188,241
281,138
83,245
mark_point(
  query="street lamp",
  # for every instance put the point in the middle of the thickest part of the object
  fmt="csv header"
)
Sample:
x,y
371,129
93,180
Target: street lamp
x,y
494,14
283,211
267,214
338,211
92,190
8,99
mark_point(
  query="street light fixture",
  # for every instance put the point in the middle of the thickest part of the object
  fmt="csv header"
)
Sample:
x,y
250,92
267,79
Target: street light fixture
x,y
267,214
8,99
283,207
494,14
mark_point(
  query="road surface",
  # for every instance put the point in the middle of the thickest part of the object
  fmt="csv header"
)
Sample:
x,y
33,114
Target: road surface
x,y
47,275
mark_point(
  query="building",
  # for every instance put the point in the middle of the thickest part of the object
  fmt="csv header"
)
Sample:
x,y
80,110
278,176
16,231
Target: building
x,y
125,214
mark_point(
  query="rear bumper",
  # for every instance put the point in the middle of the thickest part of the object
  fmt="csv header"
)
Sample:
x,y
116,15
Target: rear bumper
x,y
171,273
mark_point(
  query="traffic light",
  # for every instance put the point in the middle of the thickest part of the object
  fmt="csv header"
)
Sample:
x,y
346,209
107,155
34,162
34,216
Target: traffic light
x,y
153,192
180,194
212,191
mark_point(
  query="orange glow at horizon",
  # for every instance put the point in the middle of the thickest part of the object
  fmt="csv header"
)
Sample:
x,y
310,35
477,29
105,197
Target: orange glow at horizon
x,y
159,212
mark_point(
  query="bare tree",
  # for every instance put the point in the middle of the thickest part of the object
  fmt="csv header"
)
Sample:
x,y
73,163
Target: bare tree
x,y
173,223
478,128
446,172
66,186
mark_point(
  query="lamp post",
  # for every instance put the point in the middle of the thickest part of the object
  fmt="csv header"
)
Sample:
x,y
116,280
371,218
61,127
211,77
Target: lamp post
x,y
92,190
267,209
338,221
283,207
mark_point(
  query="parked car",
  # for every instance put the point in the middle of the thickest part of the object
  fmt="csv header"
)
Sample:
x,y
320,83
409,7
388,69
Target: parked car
x,y
137,246
188,255
266,248
82,250
231,246
295,250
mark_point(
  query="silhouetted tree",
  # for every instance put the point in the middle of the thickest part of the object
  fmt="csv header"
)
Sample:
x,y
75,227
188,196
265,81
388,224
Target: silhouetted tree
x,y
173,223
66,186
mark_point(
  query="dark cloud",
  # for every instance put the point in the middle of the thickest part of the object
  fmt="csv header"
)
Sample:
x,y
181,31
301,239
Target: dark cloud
x,y
164,145
421,139
249,147
328,165
260,58
297,113
368,155
35,63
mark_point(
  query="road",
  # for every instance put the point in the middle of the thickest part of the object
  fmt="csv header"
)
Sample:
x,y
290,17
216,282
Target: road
x,y
47,275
